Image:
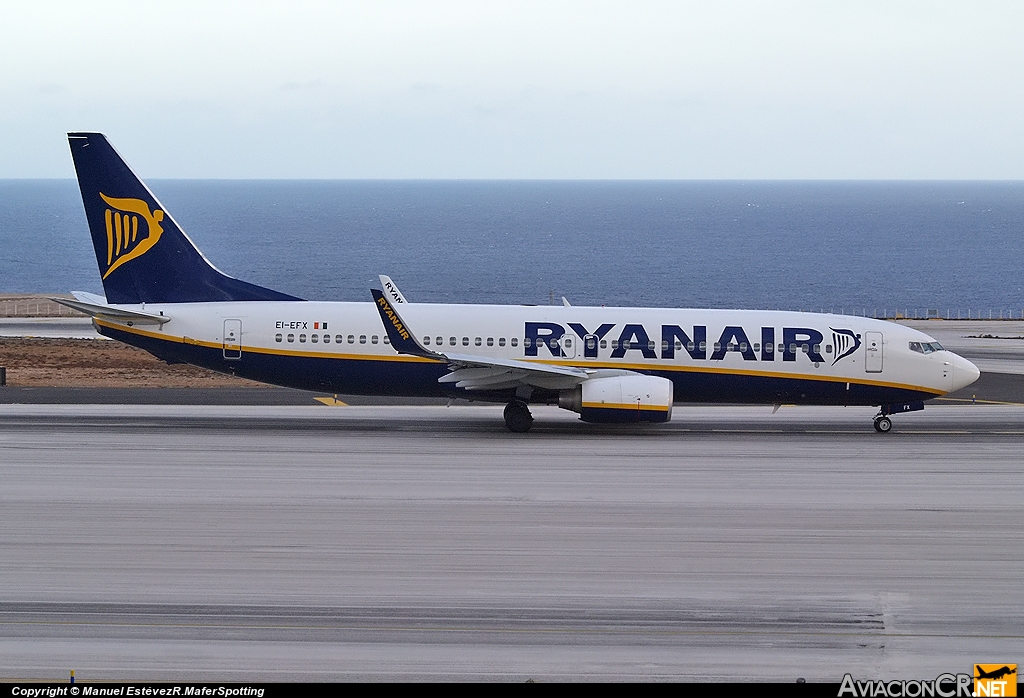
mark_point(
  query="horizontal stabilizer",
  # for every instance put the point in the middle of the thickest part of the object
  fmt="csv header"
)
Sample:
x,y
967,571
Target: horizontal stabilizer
x,y
101,310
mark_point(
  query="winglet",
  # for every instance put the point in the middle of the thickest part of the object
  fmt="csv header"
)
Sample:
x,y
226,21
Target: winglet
x,y
402,338
391,289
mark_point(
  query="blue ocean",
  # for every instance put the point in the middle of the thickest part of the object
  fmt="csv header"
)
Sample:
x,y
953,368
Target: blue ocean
x,y
859,247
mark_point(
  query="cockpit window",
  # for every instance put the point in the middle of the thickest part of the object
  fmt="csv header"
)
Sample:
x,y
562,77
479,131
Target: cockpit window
x,y
925,347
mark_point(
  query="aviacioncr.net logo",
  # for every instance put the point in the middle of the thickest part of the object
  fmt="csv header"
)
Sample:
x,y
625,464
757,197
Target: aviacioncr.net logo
x,y
943,686
125,241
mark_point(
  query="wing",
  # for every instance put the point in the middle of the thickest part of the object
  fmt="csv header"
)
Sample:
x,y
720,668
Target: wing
x,y
474,372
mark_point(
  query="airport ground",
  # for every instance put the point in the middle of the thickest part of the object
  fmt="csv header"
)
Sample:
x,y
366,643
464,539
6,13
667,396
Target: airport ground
x,y
261,539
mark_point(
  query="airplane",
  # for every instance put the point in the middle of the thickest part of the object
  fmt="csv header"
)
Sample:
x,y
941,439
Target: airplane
x,y
608,364
995,674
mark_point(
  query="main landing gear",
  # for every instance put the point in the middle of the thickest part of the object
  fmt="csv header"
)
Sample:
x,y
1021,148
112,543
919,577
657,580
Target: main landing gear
x,y
517,417
883,425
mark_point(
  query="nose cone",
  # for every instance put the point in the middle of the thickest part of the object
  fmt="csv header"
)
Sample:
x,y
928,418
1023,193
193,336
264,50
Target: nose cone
x,y
964,373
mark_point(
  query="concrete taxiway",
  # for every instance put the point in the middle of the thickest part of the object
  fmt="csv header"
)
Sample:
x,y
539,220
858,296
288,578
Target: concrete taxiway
x,y
271,543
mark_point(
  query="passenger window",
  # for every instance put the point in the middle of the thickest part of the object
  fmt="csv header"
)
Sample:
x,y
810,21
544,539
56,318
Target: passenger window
x,y
828,348
527,343
302,338
490,341
689,346
679,345
804,348
604,343
718,346
817,348
769,348
743,346
501,341
514,341
439,341
426,341
792,348
314,339
757,346
338,338
477,342
387,340
327,339
452,341
278,338
465,341
291,338
703,346
373,339
554,343
568,341
351,339
651,345
664,345
615,344
362,339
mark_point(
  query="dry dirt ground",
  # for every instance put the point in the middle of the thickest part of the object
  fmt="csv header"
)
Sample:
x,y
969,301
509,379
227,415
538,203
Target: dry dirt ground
x,y
98,363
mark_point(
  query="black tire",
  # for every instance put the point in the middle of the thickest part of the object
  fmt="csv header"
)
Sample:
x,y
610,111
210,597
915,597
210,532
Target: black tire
x,y
883,425
518,418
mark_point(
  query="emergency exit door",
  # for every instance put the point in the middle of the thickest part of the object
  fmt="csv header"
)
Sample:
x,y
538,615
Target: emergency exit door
x,y
873,352
232,340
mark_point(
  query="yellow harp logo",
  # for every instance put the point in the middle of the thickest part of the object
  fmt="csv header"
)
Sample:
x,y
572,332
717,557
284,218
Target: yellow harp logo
x,y
124,243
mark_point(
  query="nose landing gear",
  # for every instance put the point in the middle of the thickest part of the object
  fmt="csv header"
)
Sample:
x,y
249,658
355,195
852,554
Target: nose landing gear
x,y
517,417
883,425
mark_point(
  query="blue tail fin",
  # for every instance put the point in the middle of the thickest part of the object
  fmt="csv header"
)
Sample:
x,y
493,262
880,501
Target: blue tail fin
x,y
144,257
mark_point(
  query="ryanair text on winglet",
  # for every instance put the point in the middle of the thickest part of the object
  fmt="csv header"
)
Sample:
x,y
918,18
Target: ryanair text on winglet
x,y
394,318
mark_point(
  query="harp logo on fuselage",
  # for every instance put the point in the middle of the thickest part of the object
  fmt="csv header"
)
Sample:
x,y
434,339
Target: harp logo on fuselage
x,y
125,240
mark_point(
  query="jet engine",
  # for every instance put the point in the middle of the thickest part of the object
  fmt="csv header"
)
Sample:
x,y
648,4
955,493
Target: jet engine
x,y
625,398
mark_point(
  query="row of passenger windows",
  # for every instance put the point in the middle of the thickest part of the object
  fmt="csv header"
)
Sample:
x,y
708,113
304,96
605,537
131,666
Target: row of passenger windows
x,y
590,342
326,339
477,341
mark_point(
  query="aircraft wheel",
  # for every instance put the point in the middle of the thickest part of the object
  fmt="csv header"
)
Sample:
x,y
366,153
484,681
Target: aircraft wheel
x,y
883,425
517,417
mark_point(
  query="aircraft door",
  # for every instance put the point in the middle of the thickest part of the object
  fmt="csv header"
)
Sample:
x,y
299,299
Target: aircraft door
x,y
232,340
873,352
568,344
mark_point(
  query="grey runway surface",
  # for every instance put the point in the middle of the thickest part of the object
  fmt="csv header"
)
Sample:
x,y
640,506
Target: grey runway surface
x,y
271,543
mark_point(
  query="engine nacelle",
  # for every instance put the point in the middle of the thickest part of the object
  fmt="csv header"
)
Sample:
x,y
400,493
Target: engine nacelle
x,y
629,398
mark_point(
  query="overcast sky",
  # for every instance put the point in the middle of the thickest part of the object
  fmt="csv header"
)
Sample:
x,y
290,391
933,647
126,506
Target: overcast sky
x,y
518,89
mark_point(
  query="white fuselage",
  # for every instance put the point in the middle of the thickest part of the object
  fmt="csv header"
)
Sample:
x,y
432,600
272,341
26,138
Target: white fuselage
x,y
710,355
